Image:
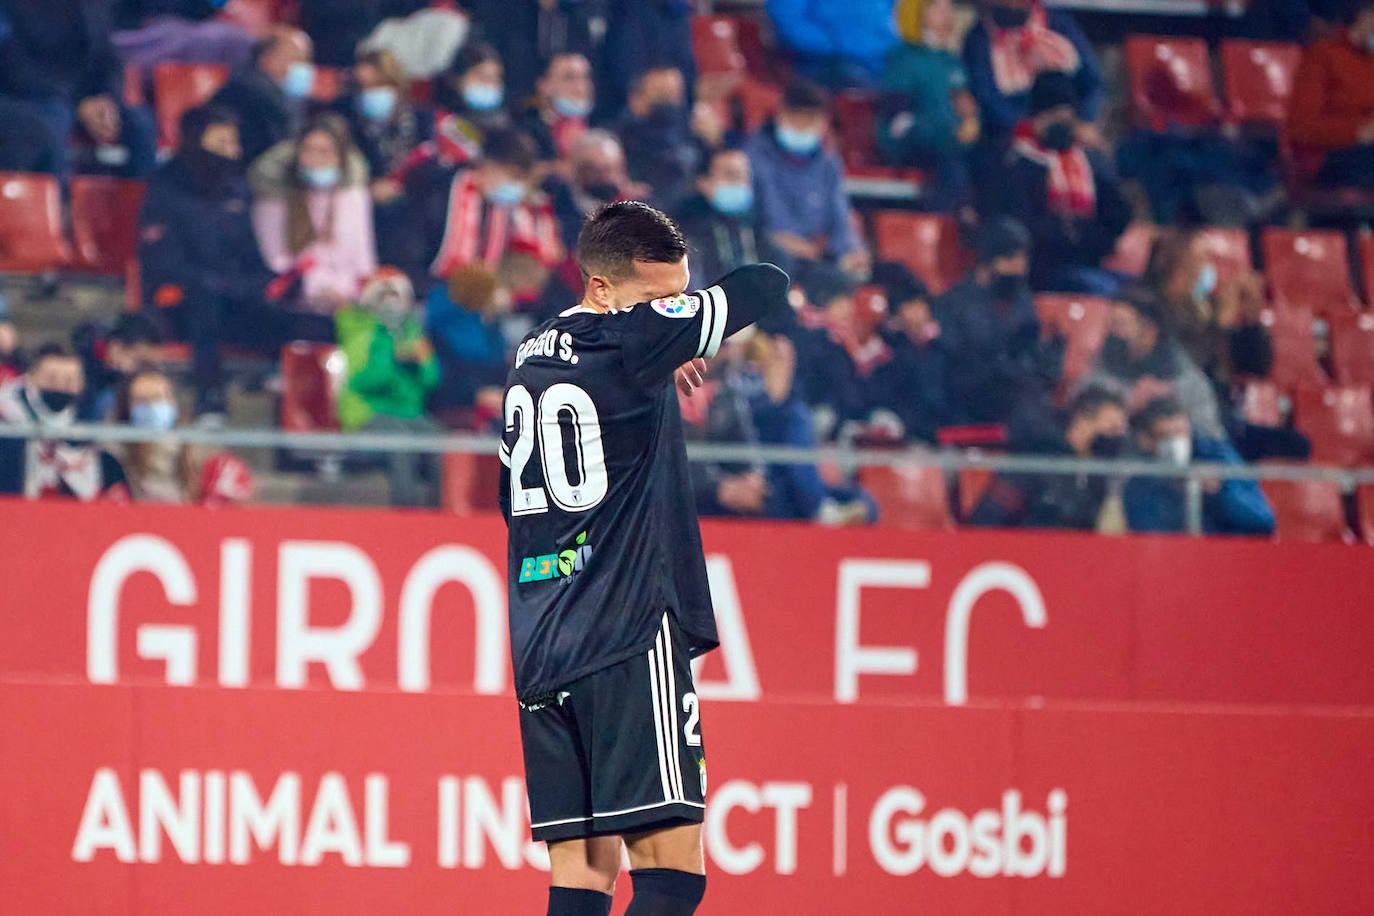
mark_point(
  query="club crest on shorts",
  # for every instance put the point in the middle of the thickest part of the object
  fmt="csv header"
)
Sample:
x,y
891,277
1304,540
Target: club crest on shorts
x,y
682,305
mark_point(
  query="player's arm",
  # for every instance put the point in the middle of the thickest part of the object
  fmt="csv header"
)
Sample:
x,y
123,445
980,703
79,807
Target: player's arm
x,y
663,334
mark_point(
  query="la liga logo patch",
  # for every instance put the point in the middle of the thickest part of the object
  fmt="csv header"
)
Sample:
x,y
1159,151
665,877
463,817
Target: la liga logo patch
x,y
679,306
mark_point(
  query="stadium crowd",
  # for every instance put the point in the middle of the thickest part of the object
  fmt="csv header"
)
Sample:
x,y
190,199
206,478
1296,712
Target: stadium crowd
x,y
420,215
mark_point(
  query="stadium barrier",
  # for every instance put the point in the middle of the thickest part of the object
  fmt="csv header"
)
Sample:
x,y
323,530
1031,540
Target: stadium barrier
x,y
266,710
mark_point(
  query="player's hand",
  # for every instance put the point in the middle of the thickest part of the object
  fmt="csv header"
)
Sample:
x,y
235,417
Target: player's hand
x,y
690,376
743,493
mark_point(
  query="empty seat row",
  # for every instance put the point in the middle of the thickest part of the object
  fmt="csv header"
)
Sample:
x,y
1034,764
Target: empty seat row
x,y
1171,81
104,213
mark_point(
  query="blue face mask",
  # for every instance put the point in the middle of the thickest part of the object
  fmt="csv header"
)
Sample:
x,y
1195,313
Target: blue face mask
x,y
1206,282
155,415
321,178
733,199
483,97
300,79
507,194
377,103
797,142
571,108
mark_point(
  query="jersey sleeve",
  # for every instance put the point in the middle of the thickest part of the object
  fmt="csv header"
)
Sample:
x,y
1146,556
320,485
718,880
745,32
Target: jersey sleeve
x,y
665,333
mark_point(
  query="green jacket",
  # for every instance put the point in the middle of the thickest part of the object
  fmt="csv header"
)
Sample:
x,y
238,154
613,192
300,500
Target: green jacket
x,y
920,81
377,382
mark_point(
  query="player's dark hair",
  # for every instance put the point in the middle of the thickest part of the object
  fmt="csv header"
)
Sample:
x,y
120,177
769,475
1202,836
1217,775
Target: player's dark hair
x,y
1160,408
1090,400
508,146
803,95
619,234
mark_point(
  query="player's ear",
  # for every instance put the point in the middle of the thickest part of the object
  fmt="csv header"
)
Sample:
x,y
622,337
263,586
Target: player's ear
x,y
599,292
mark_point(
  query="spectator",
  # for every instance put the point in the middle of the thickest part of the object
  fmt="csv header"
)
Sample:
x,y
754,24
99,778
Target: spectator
x,y
750,401
188,31
58,66
596,176
493,205
831,382
557,114
163,471
531,34
927,118
472,91
312,215
799,184
1095,428
391,369
268,94
53,468
642,35
1012,43
423,35
1141,360
1162,431
1065,193
201,271
386,125
996,364
911,384
720,221
660,150
1331,114
110,358
837,44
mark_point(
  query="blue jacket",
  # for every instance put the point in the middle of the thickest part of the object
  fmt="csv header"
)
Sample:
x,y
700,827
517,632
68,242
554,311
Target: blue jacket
x,y
801,194
859,31
1001,112
1239,507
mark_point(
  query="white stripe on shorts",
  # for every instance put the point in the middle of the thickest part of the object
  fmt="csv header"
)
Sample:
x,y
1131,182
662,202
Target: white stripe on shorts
x,y
658,722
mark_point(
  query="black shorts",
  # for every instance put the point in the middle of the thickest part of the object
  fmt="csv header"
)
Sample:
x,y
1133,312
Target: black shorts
x,y
618,751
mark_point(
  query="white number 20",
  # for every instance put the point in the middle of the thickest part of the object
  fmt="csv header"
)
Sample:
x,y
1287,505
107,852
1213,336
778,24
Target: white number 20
x,y
557,402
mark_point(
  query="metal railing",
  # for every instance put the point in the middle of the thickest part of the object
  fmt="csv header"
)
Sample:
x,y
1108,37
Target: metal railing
x,y
846,458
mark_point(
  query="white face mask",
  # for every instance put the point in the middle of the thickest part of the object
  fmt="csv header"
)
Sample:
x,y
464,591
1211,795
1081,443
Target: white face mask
x,y
1177,449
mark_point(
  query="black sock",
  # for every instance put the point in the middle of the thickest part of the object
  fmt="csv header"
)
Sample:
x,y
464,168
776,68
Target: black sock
x,y
665,892
578,901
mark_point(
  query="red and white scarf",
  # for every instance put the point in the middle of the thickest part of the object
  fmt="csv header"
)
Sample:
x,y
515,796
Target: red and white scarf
x,y
1021,54
1072,190
478,232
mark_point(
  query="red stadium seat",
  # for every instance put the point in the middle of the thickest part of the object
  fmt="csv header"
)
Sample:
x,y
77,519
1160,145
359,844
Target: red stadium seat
x,y
133,86
1308,511
470,483
1309,267
715,45
1364,503
31,238
1132,253
856,131
909,497
973,483
1258,77
1083,321
1340,423
749,36
311,377
1228,249
328,83
1365,249
1262,403
1171,82
1295,347
928,243
105,223
1352,349
177,87
758,102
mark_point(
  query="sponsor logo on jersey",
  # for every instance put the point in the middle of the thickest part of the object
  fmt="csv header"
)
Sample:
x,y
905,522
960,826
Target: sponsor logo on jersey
x,y
559,565
679,306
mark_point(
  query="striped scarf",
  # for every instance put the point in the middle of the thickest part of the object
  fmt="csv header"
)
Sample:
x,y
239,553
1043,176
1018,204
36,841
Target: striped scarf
x,y
477,232
1020,55
1072,190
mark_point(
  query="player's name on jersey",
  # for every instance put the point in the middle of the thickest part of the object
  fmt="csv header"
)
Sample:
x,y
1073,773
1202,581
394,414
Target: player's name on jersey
x,y
548,343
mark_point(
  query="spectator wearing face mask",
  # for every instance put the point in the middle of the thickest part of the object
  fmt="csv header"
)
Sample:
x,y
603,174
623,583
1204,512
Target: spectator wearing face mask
x,y
53,468
660,150
1141,360
472,92
926,116
268,94
108,358
531,33
164,471
557,114
312,214
1066,194
596,175
640,35
799,184
1331,113
996,363
1095,428
391,370
911,384
720,222
1162,431
203,279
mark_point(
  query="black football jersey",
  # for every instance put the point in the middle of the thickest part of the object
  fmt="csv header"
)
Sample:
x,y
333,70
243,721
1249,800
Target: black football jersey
x,y
603,534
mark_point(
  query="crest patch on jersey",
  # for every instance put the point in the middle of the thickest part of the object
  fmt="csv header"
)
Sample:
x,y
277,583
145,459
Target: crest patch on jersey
x,y
682,305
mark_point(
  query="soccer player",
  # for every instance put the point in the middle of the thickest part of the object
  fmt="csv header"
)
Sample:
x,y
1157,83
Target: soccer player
x,y
608,591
